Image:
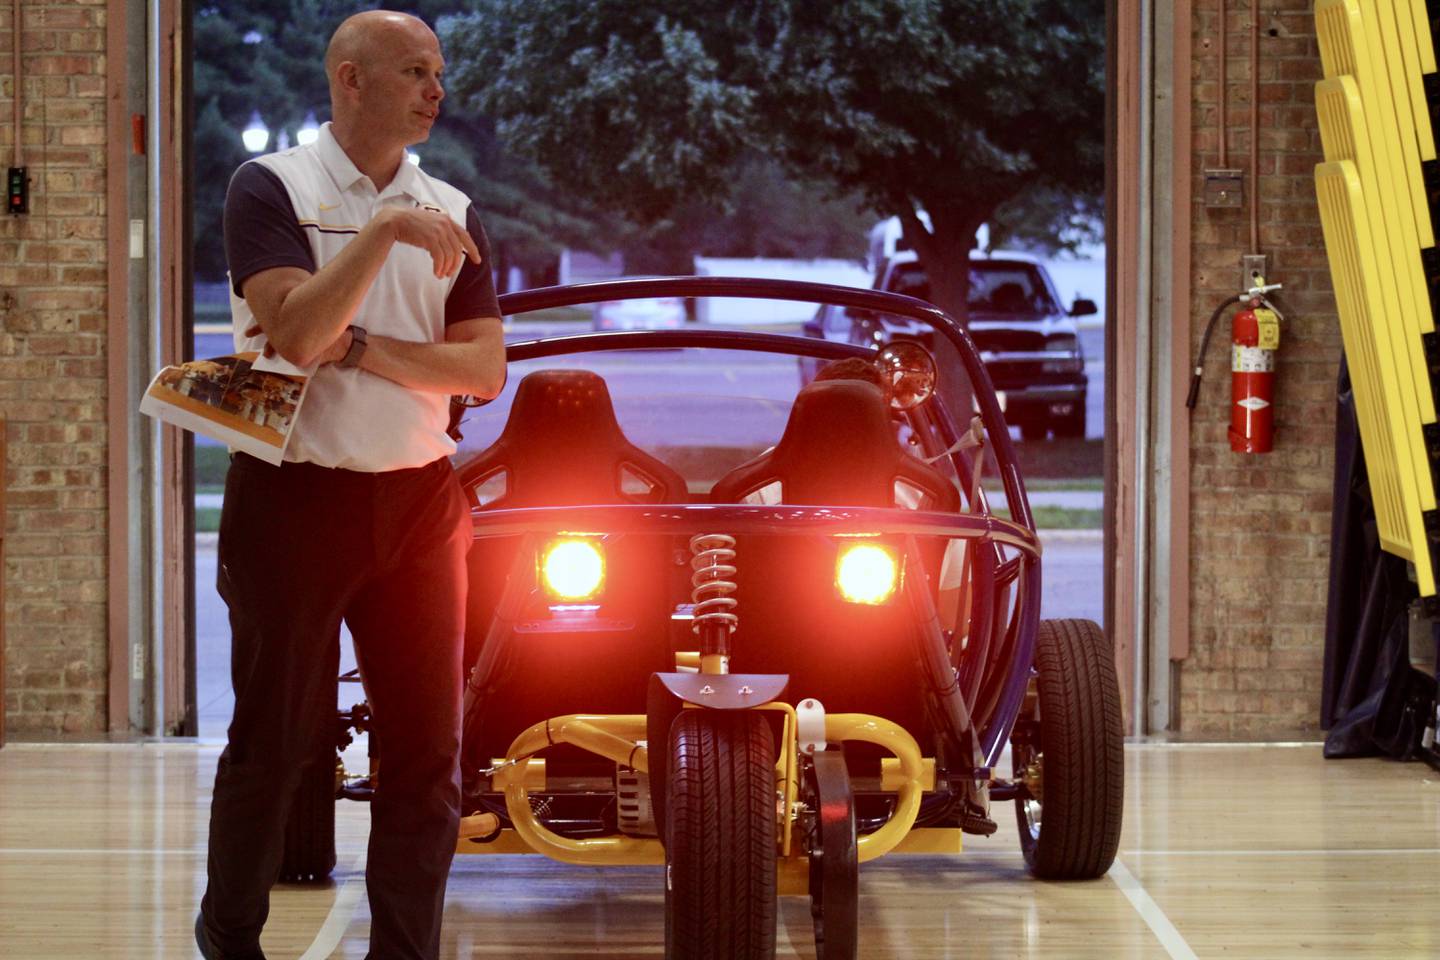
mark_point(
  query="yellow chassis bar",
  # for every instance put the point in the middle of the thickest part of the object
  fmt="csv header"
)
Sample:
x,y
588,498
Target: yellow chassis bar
x,y
617,738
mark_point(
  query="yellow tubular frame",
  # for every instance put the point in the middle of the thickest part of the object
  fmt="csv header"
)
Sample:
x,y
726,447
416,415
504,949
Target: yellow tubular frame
x,y
893,737
613,737
617,738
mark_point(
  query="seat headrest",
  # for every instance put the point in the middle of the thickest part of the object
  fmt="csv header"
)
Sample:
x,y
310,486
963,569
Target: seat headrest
x,y
562,446
839,448
834,449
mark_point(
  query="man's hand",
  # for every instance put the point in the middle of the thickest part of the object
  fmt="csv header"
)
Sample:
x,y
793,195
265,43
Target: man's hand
x,y
447,242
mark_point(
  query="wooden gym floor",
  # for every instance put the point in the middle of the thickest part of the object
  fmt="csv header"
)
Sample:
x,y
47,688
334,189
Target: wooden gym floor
x,y
1262,851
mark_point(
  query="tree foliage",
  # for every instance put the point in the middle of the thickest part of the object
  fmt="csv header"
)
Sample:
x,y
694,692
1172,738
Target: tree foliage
x,y
955,107
267,56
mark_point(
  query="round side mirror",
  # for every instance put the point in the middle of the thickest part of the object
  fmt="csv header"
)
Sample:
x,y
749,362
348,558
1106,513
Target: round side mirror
x,y
911,372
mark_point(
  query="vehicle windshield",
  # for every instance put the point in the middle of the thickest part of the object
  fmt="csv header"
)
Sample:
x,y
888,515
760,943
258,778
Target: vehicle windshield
x,y
702,411
1010,287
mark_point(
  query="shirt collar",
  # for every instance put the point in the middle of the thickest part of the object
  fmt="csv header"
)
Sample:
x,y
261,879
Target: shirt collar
x,y
343,170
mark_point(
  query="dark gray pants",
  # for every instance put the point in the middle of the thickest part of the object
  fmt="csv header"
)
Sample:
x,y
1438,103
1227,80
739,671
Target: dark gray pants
x,y
301,548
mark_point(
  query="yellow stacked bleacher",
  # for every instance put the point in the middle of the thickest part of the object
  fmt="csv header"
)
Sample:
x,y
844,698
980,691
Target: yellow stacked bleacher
x,y
1378,142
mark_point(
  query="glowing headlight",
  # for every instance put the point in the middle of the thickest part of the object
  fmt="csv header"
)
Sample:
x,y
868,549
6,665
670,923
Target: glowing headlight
x,y
866,573
572,570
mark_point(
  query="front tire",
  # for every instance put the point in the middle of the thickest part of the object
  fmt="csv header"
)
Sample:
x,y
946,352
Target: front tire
x,y
1071,745
720,837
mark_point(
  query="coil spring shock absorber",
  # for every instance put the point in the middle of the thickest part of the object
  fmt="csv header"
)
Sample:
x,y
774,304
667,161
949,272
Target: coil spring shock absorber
x,y
713,564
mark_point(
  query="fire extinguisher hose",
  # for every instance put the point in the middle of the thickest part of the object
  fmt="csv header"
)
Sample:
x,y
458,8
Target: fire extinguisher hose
x,y
1204,345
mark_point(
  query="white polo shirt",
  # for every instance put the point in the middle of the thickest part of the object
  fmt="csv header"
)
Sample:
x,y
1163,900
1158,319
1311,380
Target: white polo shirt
x,y
300,208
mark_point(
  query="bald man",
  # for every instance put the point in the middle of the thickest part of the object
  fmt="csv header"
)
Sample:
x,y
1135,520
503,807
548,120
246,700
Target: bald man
x,y
348,260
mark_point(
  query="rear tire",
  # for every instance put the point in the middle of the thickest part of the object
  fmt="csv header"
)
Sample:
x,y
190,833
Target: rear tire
x,y
720,837
1077,743
310,831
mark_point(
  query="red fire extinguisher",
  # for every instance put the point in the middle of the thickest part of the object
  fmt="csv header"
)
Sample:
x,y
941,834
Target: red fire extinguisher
x,y
1254,338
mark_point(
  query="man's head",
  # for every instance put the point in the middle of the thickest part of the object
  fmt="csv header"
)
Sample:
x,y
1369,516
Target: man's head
x,y
384,72
855,368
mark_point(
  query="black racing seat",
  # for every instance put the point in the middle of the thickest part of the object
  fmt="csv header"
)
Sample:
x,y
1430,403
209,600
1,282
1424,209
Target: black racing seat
x,y
562,446
839,448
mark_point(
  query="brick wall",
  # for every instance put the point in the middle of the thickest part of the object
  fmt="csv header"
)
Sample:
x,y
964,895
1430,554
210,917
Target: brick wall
x,y
1260,525
52,373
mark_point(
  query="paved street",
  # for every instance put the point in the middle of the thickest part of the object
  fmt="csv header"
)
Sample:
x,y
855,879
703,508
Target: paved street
x,y
1072,567
1071,573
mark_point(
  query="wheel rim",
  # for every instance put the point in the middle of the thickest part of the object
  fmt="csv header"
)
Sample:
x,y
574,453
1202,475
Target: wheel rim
x,y
1032,808
1028,766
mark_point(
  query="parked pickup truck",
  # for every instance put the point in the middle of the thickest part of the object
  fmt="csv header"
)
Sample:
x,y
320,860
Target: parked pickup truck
x,y
1027,340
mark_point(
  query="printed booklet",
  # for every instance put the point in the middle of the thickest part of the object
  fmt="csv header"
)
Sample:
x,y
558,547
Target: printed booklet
x,y
245,401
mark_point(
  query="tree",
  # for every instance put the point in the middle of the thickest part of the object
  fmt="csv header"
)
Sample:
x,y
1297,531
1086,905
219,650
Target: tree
x,y
953,107
268,55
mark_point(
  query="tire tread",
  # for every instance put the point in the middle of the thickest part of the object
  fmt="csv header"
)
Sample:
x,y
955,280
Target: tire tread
x,y
1084,748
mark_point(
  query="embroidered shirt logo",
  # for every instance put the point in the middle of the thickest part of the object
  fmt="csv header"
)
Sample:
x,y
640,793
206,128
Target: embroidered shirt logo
x,y
329,206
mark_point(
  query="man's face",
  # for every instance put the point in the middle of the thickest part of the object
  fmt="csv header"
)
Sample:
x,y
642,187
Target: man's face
x,y
400,92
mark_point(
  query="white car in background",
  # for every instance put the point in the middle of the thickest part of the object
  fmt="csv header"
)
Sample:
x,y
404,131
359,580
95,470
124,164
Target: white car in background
x,y
645,313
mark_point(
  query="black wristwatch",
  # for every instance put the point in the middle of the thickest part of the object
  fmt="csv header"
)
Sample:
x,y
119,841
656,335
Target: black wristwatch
x,y
357,347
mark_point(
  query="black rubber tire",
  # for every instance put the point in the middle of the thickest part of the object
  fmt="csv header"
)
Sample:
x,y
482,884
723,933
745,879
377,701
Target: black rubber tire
x,y
310,830
1081,742
720,837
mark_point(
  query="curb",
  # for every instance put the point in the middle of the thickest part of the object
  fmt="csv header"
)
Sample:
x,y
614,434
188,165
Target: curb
x,y
1069,536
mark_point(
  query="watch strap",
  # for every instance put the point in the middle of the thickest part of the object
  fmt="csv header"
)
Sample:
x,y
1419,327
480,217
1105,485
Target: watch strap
x,y
357,347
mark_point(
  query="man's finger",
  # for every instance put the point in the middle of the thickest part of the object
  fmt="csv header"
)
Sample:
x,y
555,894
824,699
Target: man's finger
x,y
454,255
467,242
253,330
438,255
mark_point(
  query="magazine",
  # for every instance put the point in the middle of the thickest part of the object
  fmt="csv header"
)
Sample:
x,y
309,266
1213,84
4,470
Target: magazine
x,y
245,401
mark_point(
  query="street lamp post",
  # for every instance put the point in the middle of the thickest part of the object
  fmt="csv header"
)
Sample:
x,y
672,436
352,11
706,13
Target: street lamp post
x,y
309,131
255,135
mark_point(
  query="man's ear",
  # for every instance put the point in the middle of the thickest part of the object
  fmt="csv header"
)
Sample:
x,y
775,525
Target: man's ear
x,y
347,75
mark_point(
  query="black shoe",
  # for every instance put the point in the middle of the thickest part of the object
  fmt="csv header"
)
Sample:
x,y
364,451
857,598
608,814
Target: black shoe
x,y
209,951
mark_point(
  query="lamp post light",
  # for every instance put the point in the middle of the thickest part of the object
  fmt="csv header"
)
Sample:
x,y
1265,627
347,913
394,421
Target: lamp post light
x,y
282,142
309,131
413,157
255,135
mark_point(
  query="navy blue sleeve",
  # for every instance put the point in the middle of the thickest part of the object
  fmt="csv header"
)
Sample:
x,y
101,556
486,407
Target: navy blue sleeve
x,y
261,230
474,292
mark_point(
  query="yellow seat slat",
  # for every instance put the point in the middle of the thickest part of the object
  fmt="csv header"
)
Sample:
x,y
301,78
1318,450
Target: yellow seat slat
x,y
1391,439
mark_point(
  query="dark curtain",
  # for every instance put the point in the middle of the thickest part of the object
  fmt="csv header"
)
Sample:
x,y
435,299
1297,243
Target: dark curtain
x,y
1372,702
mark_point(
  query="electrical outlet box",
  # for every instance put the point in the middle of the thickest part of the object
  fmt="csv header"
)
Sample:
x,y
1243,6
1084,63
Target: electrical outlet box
x,y
1224,188
1252,265
17,191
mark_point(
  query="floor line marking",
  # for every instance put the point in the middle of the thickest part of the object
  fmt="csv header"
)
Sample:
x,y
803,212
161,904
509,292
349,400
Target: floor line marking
x,y
338,920
1293,852
1151,913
